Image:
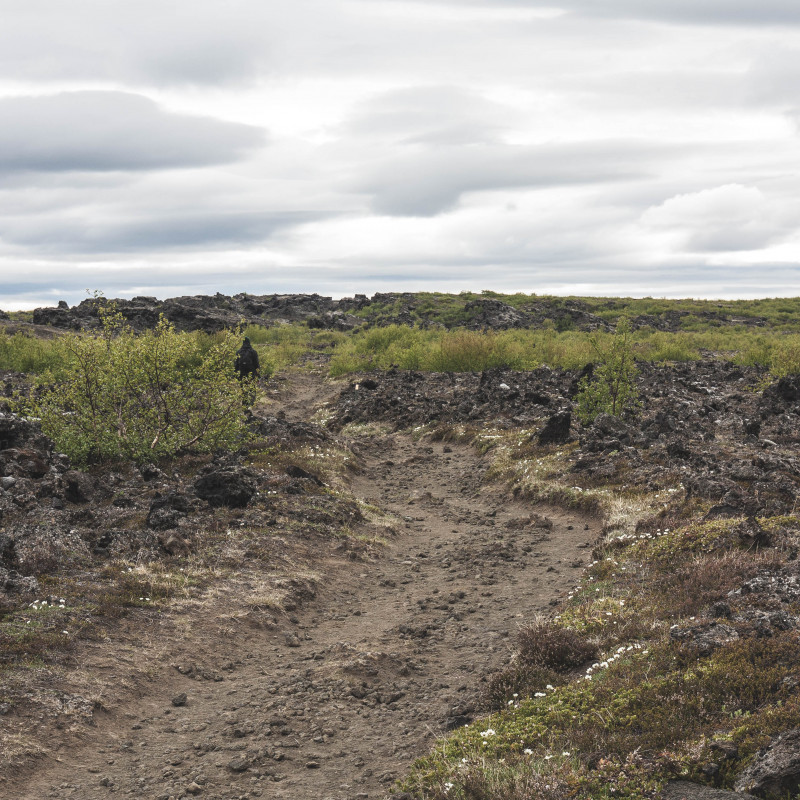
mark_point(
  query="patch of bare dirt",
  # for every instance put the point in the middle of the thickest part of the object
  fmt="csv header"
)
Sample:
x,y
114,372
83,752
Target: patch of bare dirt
x,y
374,651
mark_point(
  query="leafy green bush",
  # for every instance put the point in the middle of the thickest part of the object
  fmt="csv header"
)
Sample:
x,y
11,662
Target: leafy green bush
x,y
142,397
612,387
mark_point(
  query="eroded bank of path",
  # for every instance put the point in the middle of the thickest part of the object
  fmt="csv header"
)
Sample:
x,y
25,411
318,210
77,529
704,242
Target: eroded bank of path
x,y
339,699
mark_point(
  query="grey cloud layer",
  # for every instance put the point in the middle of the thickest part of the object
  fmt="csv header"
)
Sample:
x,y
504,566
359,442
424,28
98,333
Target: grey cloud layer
x,y
65,235
434,115
717,12
411,143
102,131
433,181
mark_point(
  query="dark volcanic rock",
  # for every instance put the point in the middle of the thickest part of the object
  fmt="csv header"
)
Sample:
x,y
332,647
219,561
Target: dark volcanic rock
x,y
556,429
203,312
166,512
25,462
78,486
8,555
226,485
785,391
704,638
408,398
21,433
494,315
11,582
775,773
293,471
280,431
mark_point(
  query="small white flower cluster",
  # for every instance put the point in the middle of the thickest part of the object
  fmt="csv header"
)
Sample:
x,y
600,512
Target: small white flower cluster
x,y
38,605
632,537
549,687
620,651
489,732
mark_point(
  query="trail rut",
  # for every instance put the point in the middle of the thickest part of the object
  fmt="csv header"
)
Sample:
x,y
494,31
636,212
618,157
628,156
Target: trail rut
x,y
338,698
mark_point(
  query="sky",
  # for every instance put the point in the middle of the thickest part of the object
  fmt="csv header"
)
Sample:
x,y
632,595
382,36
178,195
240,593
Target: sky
x,y
623,147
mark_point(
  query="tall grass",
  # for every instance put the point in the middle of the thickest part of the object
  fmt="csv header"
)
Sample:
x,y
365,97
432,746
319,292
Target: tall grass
x,y
458,350
22,353
461,350
279,346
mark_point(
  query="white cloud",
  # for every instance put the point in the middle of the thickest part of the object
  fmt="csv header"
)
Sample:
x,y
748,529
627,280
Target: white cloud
x,y
489,144
726,218
105,131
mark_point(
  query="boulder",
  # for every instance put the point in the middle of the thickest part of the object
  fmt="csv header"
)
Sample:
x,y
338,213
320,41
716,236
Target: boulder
x,y
11,582
232,486
556,429
167,511
494,315
78,486
775,772
8,554
686,790
704,638
784,391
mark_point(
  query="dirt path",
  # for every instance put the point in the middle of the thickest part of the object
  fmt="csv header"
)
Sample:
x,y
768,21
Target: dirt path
x,y
338,699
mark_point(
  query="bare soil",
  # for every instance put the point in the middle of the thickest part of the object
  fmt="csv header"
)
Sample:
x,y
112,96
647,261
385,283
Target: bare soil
x,y
383,651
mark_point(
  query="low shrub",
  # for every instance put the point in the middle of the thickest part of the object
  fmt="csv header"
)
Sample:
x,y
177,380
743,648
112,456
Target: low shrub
x,y
520,680
545,644
611,389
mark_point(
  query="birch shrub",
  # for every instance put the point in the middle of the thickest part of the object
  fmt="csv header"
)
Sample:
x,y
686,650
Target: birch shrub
x,y
123,395
612,386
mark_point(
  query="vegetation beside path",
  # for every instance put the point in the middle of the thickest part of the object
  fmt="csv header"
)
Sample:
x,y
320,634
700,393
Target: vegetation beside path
x,y
675,656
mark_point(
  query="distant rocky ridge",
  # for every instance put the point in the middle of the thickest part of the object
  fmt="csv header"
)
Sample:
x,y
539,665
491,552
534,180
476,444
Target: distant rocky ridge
x,y
211,313
216,312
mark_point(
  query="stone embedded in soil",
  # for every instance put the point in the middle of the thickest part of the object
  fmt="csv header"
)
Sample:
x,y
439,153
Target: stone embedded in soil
x,y
686,790
239,764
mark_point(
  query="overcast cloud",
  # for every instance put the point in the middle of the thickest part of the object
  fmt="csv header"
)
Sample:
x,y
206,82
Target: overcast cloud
x,y
345,146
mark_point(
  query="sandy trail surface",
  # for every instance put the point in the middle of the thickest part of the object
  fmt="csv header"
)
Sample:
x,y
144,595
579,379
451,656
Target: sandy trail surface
x,y
336,697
